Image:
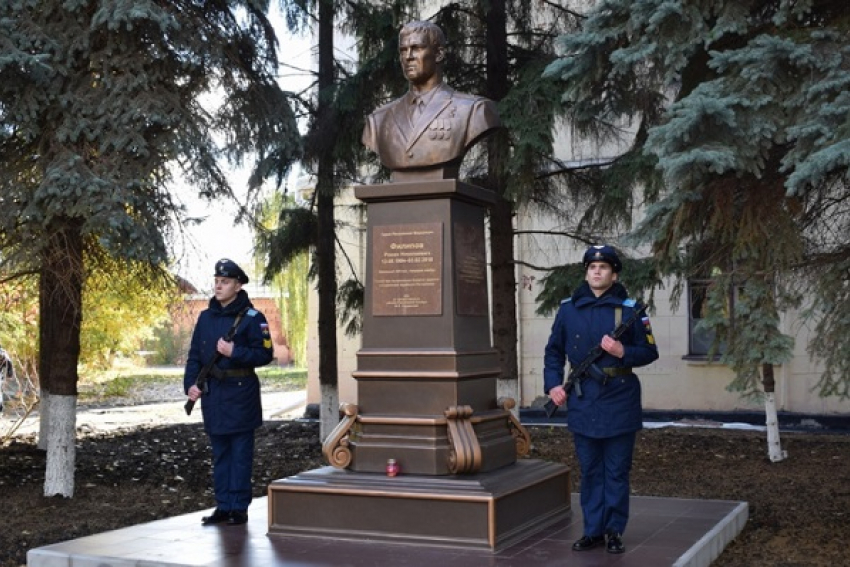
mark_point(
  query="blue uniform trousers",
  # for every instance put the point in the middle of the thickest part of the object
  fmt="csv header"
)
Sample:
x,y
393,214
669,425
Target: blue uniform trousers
x,y
605,465
233,460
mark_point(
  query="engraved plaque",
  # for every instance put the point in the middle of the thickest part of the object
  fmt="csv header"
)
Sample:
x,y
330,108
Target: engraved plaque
x,y
407,267
470,269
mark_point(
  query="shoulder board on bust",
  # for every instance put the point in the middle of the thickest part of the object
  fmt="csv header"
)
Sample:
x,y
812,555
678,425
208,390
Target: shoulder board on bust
x,y
251,312
630,302
567,300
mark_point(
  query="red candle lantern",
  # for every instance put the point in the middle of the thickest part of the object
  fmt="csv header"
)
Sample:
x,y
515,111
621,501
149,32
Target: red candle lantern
x,y
392,467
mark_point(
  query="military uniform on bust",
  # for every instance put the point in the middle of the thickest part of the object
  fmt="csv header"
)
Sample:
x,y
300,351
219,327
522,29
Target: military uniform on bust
x,y
427,131
607,413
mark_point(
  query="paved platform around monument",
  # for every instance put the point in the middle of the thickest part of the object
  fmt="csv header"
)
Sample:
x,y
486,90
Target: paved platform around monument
x,y
662,532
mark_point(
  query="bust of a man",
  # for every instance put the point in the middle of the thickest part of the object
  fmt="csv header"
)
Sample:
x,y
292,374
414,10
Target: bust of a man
x,y
426,133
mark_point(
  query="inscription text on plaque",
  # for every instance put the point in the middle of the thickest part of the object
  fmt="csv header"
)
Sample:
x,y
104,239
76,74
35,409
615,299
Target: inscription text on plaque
x,y
407,267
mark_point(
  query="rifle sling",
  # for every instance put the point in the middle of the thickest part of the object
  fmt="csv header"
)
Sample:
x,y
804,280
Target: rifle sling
x,y
228,338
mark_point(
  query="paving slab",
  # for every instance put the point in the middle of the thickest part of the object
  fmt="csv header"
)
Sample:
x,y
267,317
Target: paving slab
x,y
662,532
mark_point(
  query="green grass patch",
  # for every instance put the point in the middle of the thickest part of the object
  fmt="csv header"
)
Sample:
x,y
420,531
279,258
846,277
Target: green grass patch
x,y
283,378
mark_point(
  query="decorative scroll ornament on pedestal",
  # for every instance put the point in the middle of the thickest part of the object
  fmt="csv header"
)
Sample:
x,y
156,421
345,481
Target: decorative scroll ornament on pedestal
x,y
465,453
336,447
520,433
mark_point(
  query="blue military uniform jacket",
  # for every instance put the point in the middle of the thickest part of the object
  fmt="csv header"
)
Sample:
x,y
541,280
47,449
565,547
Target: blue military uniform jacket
x,y
613,408
232,403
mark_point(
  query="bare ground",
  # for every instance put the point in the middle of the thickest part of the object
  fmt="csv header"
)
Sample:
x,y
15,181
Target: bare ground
x,y
799,508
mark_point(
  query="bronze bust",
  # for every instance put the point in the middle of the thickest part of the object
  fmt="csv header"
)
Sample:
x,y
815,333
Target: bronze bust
x,y
426,133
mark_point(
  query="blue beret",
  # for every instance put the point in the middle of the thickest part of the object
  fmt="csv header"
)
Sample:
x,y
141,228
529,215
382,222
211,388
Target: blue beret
x,y
225,268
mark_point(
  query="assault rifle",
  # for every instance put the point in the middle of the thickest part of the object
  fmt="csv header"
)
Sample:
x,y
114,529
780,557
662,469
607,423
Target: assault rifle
x,y
201,381
203,376
577,373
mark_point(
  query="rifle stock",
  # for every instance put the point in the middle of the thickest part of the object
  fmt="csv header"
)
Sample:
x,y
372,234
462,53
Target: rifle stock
x,y
201,381
575,376
550,408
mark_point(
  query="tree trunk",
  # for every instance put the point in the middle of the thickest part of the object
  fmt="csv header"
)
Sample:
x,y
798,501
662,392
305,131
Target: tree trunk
x,y
60,307
503,276
61,447
325,247
329,409
504,324
43,417
774,446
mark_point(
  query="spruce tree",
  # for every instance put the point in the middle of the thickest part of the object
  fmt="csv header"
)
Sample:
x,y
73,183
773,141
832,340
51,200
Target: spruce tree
x,y
741,116
100,103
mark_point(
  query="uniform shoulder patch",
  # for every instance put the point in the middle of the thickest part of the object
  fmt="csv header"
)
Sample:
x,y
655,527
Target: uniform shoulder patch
x,y
251,313
267,338
648,330
630,302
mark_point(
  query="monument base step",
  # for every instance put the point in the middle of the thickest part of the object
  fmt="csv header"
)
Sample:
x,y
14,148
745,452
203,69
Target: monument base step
x,y
482,511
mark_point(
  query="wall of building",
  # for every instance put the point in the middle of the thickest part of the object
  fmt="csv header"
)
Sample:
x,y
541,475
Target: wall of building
x,y
673,382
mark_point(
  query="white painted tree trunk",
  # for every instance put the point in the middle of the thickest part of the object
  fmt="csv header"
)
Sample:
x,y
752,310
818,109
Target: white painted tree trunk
x,y
774,447
329,410
509,388
61,446
43,419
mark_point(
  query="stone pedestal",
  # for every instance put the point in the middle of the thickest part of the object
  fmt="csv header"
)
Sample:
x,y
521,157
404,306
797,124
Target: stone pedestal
x,y
426,386
426,348
487,511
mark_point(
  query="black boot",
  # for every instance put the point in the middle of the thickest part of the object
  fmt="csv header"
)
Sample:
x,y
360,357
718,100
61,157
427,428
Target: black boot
x,y
218,517
588,542
615,544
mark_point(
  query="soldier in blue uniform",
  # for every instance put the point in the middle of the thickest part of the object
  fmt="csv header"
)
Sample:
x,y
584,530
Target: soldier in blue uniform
x,y
607,415
230,401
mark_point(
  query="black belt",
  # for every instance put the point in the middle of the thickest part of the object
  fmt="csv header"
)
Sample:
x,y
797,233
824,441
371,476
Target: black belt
x,y
231,373
617,371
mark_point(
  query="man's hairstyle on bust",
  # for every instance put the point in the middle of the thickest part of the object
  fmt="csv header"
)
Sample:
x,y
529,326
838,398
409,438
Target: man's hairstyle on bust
x,y
430,30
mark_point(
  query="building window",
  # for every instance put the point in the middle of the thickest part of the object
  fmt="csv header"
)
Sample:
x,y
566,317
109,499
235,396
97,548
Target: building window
x,y
700,339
